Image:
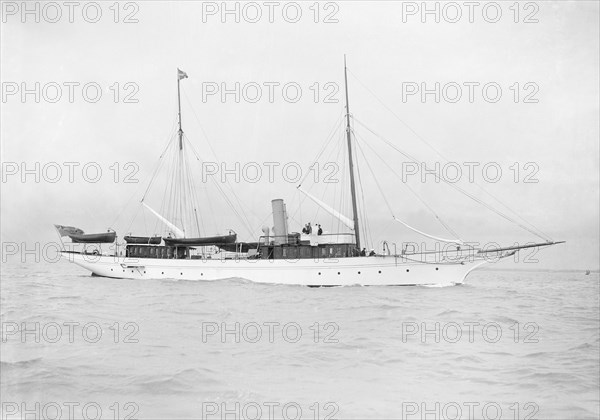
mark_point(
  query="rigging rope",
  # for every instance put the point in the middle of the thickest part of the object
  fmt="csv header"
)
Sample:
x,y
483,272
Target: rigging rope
x,y
335,131
235,196
539,233
489,207
362,210
438,218
330,137
400,221
242,217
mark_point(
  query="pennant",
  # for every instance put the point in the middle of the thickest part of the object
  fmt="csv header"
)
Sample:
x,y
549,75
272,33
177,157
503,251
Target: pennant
x,y
181,74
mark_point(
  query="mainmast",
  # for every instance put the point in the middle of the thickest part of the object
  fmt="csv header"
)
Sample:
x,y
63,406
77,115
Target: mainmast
x,y
349,137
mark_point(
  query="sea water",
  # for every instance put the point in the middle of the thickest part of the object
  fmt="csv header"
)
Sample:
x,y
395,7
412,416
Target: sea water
x,y
506,344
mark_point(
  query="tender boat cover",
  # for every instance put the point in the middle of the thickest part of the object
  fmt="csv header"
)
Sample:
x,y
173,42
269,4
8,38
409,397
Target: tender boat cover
x,y
93,238
209,240
139,240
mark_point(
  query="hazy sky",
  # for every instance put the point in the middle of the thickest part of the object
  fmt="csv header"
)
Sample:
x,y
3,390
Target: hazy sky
x,y
546,65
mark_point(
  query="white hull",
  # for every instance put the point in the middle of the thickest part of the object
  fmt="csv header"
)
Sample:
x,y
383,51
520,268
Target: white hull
x,y
365,271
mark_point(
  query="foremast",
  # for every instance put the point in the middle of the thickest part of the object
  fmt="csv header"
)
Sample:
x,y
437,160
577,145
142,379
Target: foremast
x,y
350,161
180,75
